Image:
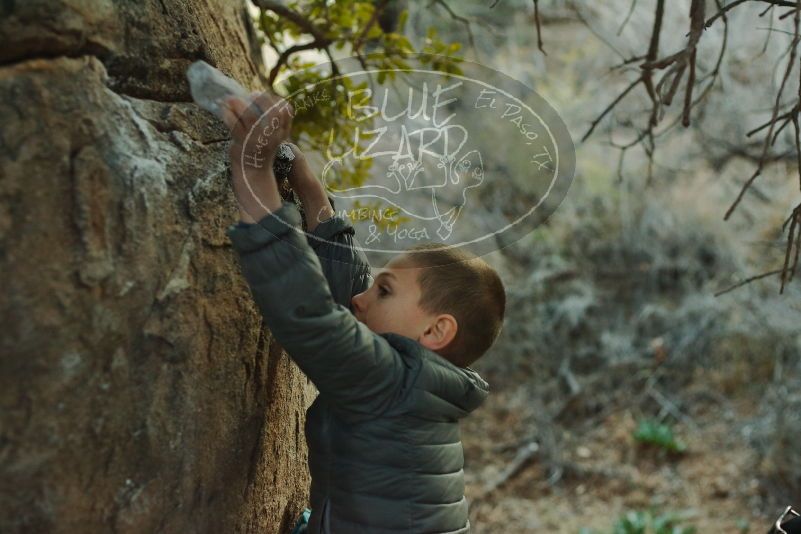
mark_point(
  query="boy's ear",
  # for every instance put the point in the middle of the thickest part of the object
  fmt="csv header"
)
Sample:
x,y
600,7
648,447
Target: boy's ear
x,y
440,332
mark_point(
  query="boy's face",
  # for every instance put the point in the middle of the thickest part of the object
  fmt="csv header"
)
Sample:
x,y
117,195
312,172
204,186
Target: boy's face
x,y
391,305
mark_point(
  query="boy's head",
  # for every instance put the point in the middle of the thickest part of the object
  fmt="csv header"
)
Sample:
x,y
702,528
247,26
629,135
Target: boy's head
x,y
450,301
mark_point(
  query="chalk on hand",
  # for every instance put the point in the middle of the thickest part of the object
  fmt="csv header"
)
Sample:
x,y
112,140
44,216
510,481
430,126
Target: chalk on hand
x,y
209,88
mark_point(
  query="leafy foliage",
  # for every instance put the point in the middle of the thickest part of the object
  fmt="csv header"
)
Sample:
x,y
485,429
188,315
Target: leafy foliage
x,y
351,26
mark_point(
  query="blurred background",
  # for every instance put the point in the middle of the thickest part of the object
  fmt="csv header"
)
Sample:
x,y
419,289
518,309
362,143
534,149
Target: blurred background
x,y
632,390
627,395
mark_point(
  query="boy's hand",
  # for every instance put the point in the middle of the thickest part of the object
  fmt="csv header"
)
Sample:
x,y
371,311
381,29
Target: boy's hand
x,y
309,189
258,126
301,178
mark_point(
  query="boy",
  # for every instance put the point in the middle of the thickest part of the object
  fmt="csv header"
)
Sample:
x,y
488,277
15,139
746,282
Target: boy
x,y
389,359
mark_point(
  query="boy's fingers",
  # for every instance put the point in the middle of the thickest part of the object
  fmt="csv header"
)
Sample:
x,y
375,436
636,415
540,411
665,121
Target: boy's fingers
x,y
228,116
268,101
259,110
273,106
235,152
236,117
253,111
258,114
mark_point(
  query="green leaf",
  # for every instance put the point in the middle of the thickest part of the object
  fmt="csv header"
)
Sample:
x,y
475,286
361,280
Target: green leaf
x,y
402,18
654,433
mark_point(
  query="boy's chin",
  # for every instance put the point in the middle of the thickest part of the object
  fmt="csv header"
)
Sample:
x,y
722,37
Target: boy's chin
x,y
368,325
379,330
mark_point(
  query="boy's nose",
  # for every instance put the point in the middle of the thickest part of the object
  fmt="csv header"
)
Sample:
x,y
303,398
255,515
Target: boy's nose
x,y
356,303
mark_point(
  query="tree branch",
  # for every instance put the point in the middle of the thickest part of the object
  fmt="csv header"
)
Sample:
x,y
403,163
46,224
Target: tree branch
x,y
377,10
748,281
766,145
459,18
539,29
320,41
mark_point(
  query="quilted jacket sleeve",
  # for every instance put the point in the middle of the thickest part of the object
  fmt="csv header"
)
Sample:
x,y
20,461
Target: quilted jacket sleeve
x,y
356,369
344,264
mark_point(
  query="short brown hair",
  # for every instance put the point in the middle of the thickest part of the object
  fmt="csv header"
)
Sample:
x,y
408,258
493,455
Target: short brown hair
x,y
459,283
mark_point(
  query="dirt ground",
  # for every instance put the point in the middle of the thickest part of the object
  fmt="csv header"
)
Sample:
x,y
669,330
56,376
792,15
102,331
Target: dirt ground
x,y
606,473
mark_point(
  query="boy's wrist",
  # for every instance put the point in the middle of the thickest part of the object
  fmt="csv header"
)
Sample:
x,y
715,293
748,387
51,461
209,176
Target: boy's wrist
x,y
249,218
245,217
256,194
316,205
308,190
303,182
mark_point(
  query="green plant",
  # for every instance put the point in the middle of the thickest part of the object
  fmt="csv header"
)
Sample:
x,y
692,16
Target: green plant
x,y
652,432
647,522
639,522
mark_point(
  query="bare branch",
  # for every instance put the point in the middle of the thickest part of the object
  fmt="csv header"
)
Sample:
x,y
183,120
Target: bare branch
x,y
748,281
577,10
320,41
284,57
766,145
785,116
627,62
644,78
628,16
688,95
459,18
722,11
293,16
610,107
539,30
685,61
787,270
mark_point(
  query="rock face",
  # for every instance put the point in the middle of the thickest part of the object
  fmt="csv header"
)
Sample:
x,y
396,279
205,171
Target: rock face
x,y
138,389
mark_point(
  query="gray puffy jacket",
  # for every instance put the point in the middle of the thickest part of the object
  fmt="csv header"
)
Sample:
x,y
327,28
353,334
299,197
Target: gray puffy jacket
x,y
385,454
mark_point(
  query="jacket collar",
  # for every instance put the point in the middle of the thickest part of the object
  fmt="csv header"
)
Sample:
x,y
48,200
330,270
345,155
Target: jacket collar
x,y
462,388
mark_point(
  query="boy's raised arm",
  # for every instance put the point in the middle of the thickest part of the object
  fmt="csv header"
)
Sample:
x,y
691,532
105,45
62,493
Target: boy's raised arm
x,y
343,263
356,369
331,236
